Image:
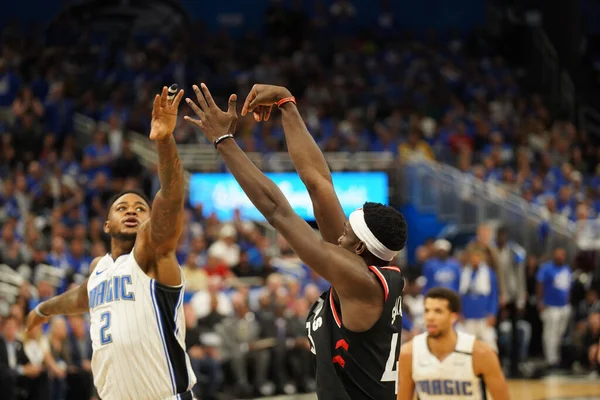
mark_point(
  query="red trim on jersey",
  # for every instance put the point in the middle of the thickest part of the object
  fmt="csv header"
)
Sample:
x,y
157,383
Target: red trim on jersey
x,y
341,343
386,288
392,268
339,360
338,321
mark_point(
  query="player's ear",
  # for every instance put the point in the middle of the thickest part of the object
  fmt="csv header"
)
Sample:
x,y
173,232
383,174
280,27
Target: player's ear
x,y
360,248
106,227
453,318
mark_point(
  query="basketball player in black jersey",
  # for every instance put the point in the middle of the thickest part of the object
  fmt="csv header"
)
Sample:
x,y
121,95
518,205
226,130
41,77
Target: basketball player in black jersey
x,y
354,328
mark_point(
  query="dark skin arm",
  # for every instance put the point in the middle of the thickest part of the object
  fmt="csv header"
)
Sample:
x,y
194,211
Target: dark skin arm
x,y
158,237
346,271
306,157
73,301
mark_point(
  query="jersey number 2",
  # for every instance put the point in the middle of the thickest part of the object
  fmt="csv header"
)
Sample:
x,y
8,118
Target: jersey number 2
x,y
105,338
391,374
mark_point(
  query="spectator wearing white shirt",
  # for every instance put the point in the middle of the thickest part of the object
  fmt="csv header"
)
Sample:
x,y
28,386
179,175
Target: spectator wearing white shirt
x,y
226,248
201,302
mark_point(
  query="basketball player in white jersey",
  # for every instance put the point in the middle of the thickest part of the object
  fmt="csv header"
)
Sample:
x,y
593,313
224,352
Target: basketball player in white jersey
x,y
134,294
444,364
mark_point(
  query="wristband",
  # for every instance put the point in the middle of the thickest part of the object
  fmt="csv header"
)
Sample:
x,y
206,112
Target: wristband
x,y
39,312
286,100
221,138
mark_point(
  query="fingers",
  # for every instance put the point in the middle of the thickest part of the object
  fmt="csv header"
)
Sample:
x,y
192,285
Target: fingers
x,y
251,96
207,95
268,113
232,108
254,104
163,97
156,105
200,97
178,98
196,122
257,113
195,108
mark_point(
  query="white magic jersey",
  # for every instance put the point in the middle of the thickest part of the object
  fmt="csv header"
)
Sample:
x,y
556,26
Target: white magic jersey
x,y
451,379
138,334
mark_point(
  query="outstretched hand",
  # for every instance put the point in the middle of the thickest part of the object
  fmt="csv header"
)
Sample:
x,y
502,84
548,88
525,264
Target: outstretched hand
x,y
164,115
211,119
262,98
33,320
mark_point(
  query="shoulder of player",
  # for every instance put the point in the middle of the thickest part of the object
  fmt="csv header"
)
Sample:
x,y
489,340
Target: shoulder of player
x,y
94,263
482,354
389,274
406,350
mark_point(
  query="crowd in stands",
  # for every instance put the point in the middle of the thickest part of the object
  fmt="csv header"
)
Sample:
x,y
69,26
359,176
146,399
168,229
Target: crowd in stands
x,y
549,305
440,98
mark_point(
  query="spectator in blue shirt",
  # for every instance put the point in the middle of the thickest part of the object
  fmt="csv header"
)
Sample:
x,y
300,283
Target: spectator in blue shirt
x,y
479,298
441,270
554,279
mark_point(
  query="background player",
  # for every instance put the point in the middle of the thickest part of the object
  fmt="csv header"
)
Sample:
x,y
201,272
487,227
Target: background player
x,y
354,328
443,363
134,294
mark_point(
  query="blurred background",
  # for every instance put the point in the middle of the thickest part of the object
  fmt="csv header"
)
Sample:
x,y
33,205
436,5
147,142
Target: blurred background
x,y
477,119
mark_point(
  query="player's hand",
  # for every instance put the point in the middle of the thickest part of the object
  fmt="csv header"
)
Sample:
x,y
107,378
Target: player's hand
x,y
211,119
164,115
33,320
261,99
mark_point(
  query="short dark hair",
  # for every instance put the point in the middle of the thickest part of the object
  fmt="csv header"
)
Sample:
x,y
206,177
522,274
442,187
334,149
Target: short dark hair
x,y
445,294
114,198
387,224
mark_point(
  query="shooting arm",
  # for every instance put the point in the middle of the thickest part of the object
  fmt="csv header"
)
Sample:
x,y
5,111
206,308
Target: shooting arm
x,y
73,301
167,208
166,218
347,272
314,172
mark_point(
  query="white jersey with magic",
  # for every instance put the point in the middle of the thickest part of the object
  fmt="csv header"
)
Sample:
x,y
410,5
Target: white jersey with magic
x,y
450,379
138,334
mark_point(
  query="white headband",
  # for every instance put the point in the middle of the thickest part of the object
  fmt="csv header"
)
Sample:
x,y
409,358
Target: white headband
x,y
362,231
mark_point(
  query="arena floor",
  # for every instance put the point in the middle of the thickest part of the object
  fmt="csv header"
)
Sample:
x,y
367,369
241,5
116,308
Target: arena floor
x,y
552,388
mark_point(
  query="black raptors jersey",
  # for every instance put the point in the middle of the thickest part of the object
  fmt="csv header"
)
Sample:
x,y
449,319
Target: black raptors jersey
x,y
358,365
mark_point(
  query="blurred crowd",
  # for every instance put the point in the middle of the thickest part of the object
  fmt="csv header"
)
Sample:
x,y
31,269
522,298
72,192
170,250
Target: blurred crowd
x,y
445,98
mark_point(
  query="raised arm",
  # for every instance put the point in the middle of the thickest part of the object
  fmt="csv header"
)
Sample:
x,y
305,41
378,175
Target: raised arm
x,y
305,154
158,238
487,365
346,271
73,301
